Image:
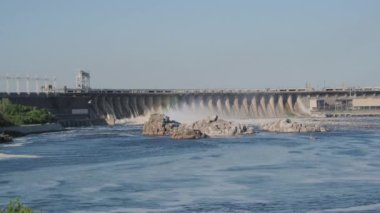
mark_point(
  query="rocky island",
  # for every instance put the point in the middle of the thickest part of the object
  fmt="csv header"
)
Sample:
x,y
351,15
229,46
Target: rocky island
x,y
161,125
289,126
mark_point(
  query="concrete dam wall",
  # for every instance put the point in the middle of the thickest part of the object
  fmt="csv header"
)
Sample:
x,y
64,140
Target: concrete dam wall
x,y
79,108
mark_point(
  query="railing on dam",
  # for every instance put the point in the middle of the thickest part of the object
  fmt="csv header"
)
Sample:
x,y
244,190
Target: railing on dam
x,y
227,91
349,91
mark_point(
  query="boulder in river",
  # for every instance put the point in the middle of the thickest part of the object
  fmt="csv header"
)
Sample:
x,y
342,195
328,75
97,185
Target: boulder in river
x,y
287,125
187,132
213,126
159,125
4,138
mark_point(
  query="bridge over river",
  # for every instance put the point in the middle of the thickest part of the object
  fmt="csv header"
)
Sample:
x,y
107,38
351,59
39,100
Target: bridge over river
x,y
82,107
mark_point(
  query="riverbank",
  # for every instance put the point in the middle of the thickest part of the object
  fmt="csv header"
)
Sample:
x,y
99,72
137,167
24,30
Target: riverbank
x,y
23,130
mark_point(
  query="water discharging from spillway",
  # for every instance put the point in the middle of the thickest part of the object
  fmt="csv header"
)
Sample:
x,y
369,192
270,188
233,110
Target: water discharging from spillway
x,y
196,106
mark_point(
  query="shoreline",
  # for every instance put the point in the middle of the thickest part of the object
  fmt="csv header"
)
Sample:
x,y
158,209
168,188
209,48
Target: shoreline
x,y
18,131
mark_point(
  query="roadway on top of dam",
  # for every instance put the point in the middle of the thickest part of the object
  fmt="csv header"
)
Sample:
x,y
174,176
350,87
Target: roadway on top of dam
x,y
370,91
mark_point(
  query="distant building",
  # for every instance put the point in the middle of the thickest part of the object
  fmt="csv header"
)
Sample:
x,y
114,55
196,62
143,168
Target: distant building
x,y
83,80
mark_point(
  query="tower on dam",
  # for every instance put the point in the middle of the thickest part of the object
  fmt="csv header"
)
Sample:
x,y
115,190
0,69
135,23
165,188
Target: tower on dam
x,y
83,81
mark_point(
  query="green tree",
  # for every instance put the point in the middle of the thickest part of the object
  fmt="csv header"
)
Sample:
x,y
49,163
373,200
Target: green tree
x,y
16,114
15,206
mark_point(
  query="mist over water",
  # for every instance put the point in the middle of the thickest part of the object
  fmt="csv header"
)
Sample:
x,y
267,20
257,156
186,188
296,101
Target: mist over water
x,y
137,108
116,169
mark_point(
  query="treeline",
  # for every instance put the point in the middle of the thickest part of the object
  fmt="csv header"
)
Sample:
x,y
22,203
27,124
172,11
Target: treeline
x,y
16,114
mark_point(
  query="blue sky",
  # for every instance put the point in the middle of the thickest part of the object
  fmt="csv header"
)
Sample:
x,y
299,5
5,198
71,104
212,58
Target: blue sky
x,y
193,44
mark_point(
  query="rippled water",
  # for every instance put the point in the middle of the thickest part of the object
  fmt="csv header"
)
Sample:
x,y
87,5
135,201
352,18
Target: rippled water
x,y
115,169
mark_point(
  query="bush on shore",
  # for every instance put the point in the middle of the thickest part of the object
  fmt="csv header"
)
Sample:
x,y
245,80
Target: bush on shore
x,y
4,121
15,206
16,114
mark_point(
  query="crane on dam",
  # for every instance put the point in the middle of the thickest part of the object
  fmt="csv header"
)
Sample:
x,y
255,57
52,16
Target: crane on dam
x,y
21,84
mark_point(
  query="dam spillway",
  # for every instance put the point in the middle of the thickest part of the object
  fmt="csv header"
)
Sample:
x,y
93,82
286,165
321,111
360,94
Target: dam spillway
x,y
104,105
240,106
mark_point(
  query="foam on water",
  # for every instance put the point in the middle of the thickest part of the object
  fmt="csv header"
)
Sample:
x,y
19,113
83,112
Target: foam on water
x,y
7,156
370,207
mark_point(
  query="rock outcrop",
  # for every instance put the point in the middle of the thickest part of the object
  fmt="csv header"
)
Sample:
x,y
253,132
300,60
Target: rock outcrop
x,y
159,125
187,132
289,126
4,138
213,126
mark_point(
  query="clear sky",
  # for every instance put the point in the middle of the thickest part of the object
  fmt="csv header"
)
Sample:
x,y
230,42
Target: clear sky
x,y
193,44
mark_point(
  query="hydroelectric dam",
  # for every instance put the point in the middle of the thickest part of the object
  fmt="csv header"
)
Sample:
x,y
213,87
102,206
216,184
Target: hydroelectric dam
x,y
78,107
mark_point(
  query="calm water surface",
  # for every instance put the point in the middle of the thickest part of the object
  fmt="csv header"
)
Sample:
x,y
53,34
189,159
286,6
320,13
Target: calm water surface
x,y
115,169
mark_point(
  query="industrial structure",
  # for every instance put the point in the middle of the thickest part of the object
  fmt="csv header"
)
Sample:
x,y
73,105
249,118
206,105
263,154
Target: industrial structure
x,y
83,81
27,84
85,106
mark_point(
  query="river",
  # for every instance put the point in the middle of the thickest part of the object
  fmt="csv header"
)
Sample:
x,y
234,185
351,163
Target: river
x,y
116,169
